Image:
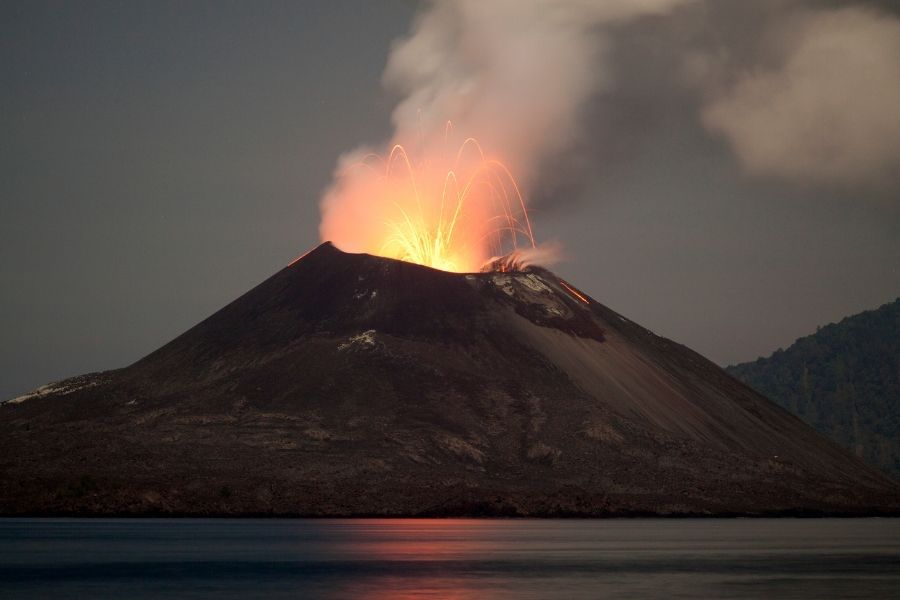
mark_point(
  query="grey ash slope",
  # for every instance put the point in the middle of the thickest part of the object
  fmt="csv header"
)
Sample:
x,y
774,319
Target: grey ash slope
x,y
351,384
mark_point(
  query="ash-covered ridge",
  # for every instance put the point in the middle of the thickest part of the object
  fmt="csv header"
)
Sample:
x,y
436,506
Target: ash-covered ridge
x,y
348,384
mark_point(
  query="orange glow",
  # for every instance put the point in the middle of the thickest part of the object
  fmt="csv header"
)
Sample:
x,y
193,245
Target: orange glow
x,y
574,292
454,210
431,548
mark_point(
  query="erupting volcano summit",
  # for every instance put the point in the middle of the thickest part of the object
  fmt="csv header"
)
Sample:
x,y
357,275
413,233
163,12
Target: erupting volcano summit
x,y
349,384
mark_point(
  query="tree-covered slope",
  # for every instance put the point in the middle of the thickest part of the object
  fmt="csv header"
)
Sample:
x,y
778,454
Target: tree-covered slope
x,y
844,380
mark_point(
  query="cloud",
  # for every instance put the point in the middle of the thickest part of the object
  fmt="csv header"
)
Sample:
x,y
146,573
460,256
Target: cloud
x,y
515,73
827,111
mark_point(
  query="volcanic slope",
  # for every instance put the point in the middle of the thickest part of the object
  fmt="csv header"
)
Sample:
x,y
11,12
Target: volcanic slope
x,y
348,384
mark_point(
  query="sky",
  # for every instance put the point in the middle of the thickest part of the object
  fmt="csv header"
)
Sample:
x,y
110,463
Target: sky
x,y
728,177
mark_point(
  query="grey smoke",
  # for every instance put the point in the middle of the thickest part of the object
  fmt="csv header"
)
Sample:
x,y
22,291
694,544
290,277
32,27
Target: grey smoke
x,y
827,111
806,92
514,73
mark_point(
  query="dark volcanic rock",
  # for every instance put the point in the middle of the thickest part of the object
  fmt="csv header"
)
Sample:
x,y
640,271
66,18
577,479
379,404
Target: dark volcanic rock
x,y
355,385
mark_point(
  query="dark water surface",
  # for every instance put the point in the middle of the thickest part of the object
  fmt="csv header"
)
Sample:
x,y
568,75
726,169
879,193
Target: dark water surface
x,y
452,558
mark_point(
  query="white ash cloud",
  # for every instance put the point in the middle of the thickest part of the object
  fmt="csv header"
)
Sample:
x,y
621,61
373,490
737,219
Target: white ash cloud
x,y
514,73
826,108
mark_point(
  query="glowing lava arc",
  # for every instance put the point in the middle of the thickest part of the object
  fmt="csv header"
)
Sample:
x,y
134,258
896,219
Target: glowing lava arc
x,y
468,196
454,211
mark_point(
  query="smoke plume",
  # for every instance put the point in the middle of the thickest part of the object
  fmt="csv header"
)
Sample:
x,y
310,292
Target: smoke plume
x,y
827,111
513,73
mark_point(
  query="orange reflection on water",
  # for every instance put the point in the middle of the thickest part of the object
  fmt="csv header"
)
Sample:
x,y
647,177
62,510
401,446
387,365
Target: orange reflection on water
x,y
424,558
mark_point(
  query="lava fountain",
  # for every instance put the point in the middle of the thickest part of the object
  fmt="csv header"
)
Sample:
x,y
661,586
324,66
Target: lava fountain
x,y
516,74
451,207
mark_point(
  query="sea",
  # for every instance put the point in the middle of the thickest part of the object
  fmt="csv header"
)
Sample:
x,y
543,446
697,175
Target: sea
x,y
401,559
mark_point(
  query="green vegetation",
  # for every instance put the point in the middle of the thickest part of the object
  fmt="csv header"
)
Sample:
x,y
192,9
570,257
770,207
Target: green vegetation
x,y
844,380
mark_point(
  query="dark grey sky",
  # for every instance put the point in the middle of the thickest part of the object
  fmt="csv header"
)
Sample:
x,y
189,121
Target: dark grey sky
x,y
158,159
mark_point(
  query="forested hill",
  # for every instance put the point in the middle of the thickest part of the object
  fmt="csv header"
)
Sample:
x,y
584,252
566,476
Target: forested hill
x,y
844,380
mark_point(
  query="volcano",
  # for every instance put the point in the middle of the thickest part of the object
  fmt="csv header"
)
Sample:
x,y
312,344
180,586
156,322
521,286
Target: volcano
x,y
349,384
